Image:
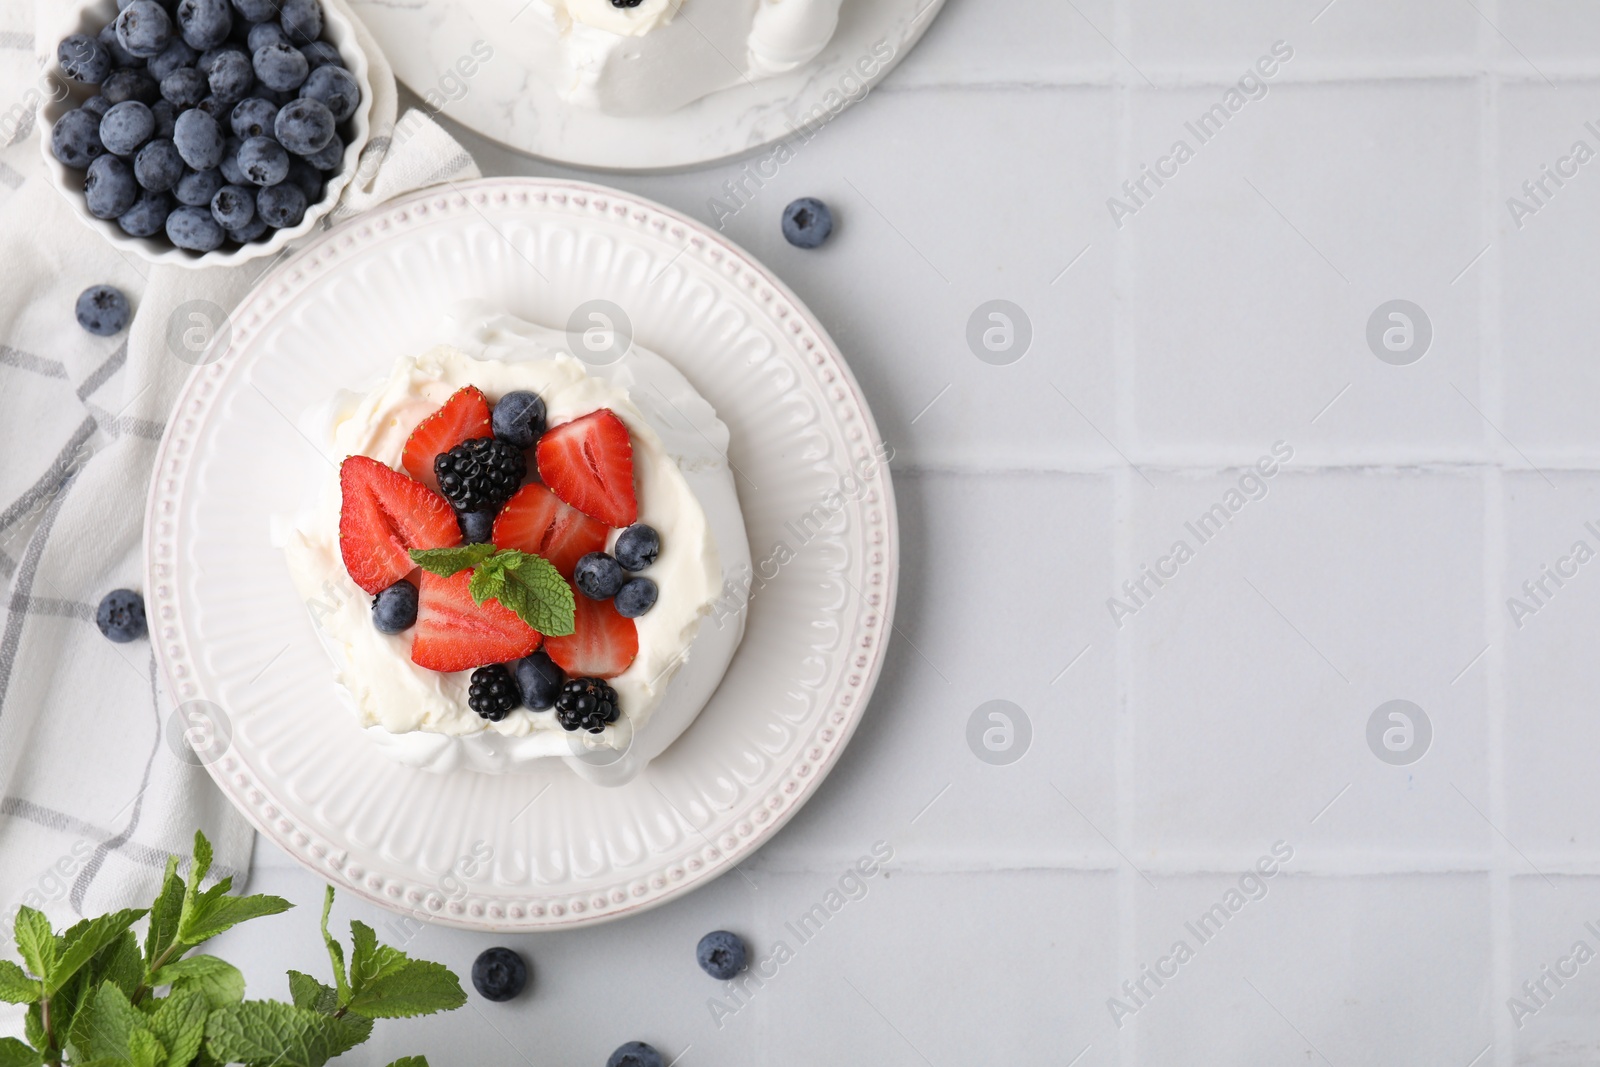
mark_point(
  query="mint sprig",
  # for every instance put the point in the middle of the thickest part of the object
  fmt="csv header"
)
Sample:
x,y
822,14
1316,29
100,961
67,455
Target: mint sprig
x,y
524,583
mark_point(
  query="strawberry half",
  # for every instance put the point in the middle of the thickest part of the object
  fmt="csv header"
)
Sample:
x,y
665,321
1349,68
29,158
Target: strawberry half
x,y
588,463
455,633
535,521
464,416
382,516
602,643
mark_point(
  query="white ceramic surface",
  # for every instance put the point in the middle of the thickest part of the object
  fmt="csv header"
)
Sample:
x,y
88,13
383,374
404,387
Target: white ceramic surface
x,y
91,18
229,629
506,99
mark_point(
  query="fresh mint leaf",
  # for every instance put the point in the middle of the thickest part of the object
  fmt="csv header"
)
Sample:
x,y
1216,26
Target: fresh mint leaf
x,y
119,963
144,1050
308,993
341,980
36,942
535,590
179,1022
215,912
266,1031
14,1053
370,960
350,1031
448,561
487,582
410,1061
418,988
220,983
106,1023
15,986
33,1028
164,914
82,942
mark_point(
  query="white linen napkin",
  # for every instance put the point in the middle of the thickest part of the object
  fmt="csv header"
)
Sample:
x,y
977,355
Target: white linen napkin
x,y
95,792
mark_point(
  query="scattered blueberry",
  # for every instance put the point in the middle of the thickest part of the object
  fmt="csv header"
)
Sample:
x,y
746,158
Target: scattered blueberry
x,y
263,34
109,188
302,20
185,88
121,58
304,125
477,527
263,161
322,54
281,206
233,207
256,10
493,694
635,1054
82,59
158,166
539,679
130,84
281,66
721,954
148,216
175,56
194,229
499,974
199,139
204,23
121,616
103,311
166,117
75,139
144,28
635,598
637,547
328,157
807,222
198,187
253,229
598,576
231,77
336,88
519,419
394,610
127,126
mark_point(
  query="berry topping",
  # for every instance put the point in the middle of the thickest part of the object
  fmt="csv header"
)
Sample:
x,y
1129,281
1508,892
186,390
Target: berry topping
x,y
493,694
519,419
121,616
539,679
586,704
383,516
635,1053
394,610
102,310
721,954
807,222
635,598
499,974
637,547
456,633
464,416
588,462
535,521
481,474
477,527
598,576
602,644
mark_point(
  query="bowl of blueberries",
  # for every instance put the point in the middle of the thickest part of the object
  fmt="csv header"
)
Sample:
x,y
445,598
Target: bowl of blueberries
x,y
203,133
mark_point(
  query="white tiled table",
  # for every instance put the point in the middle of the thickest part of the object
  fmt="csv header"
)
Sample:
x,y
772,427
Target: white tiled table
x,y
1231,711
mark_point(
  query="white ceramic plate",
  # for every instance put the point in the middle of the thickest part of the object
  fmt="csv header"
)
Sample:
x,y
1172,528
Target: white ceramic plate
x,y
507,101
230,630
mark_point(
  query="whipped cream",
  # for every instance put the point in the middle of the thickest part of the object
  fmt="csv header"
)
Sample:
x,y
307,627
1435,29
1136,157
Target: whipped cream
x,y
676,439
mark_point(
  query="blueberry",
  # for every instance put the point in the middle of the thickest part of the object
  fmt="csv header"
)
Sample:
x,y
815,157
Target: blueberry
x,y
253,229
121,58
129,84
127,126
394,610
144,28
166,118
148,216
185,88
598,576
198,187
499,974
174,57
281,66
204,23
158,166
199,139
253,117
322,54
231,77
275,97
721,954
302,20
214,106
336,88
637,547
263,161
519,419
193,228
807,222
82,59
75,139
539,679
121,616
229,164
635,1054
103,311
477,527
306,178
328,157
210,56
281,206
304,125
99,105
233,207
635,598
264,33
256,10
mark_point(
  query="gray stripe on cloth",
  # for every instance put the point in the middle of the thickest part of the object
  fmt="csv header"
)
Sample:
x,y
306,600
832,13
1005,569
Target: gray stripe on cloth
x,y
61,468
22,586
50,819
112,364
15,357
13,39
44,605
11,177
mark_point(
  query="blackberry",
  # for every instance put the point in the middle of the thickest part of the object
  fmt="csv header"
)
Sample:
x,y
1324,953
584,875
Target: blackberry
x,y
586,704
480,474
493,693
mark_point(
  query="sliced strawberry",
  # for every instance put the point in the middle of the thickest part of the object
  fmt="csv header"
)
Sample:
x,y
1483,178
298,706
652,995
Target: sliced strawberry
x,y
602,643
588,462
535,521
455,633
382,516
464,416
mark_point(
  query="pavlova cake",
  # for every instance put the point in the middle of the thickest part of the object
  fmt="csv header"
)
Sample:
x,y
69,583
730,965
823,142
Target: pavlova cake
x,y
640,57
522,548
